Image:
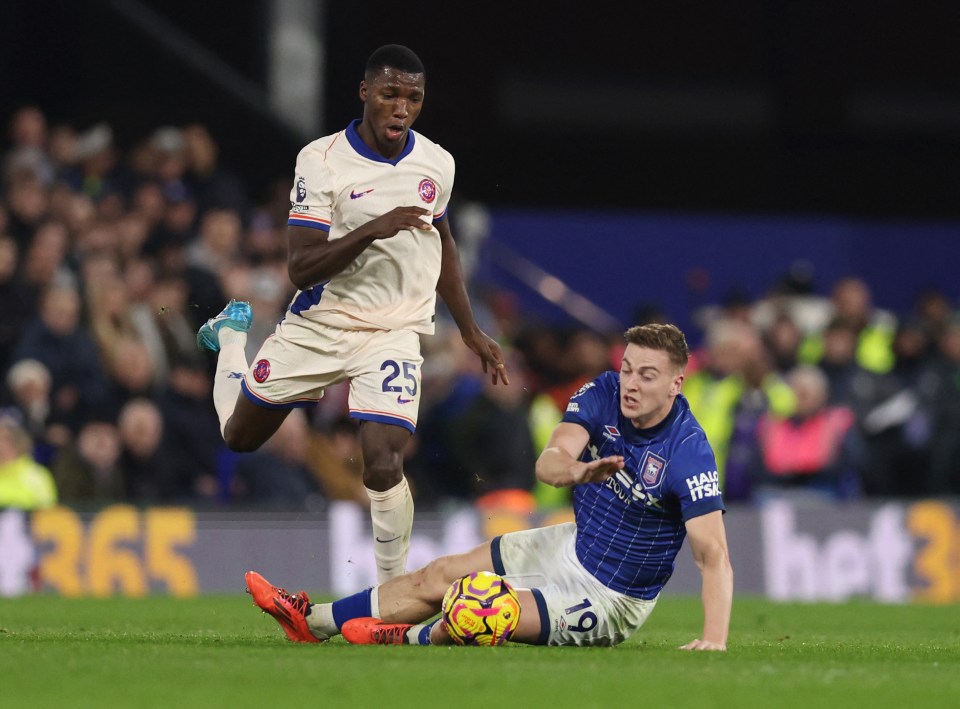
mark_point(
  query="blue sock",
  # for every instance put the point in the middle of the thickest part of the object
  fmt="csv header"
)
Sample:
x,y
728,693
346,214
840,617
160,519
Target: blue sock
x,y
421,633
355,606
424,637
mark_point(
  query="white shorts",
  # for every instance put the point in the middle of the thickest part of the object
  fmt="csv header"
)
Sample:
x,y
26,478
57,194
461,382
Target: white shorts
x,y
302,358
575,608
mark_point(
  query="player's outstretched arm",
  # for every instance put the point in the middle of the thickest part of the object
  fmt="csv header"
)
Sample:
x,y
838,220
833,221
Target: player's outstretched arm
x,y
559,463
313,258
708,541
453,290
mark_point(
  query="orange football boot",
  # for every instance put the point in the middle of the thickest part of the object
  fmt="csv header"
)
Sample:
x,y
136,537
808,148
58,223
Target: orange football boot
x,y
289,609
373,631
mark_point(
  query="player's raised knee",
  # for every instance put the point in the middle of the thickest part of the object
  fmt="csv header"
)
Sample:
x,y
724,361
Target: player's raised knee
x,y
436,577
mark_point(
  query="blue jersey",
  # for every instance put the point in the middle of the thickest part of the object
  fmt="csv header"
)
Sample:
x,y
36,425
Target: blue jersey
x,y
631,526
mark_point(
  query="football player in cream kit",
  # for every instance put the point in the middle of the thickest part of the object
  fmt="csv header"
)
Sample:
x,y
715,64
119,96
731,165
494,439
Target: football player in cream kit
x,y
369,249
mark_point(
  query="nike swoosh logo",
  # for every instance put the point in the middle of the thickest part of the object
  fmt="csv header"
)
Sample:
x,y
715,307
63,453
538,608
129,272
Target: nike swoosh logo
x,y
358,195
401,400
387,541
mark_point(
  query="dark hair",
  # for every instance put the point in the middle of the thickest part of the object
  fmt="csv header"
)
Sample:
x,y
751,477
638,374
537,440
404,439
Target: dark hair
x,y
666,338
396,56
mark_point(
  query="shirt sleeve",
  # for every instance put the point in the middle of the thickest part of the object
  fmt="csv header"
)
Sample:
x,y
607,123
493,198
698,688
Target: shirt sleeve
x,y
586,405
694,480
311,198
443,199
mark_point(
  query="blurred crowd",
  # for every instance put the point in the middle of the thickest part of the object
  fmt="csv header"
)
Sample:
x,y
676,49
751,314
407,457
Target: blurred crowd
x,y
111,259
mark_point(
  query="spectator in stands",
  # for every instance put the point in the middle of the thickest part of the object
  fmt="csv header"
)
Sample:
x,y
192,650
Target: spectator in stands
x,y
782,338
192,429
162,322
28,135
450,387
945,414
141,434
58,340
24,483
88,471
132,232
109,315
29,384
216,187
79,214
168,243
817,450
336,461
27,128
715,390
278,473
216,248
44,262
177,223
849,382
154,469
585,356
898,421
148,203
97,171
131,376
852,303
542,350
265,241
493,453
13,296
760,381
62,148
27,203
934,312
577,359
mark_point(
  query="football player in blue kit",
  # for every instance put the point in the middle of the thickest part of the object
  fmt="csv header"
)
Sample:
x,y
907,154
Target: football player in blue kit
x,y
644,478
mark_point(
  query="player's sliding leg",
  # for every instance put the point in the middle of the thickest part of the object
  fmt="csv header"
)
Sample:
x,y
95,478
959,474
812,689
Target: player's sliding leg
x,y
376,631
373,631
227,334
391,504
400,606
306,622
410,599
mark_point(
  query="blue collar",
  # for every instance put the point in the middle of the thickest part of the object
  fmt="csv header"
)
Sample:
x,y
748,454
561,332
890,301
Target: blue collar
x,y
366,151
648,434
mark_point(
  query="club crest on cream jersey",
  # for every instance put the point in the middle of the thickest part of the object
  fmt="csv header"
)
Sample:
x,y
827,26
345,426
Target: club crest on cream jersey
x,y
342,184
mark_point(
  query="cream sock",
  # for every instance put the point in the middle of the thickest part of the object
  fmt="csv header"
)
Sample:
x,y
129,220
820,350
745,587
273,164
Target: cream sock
x,y
320,620
392,514
231,365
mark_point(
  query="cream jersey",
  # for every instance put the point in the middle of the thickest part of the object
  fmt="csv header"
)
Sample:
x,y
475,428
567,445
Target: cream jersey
x,y
342,184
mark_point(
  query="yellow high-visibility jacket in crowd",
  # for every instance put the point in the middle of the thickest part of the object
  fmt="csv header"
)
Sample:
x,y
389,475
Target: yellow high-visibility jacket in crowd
x,y
26,485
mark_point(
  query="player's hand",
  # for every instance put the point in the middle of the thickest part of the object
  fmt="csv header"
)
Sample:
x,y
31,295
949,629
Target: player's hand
x,y
597,470
396,220
490,354
699,644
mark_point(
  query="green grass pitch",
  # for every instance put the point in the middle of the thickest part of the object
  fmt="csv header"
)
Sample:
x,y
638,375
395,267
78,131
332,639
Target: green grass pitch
x,y
220,651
